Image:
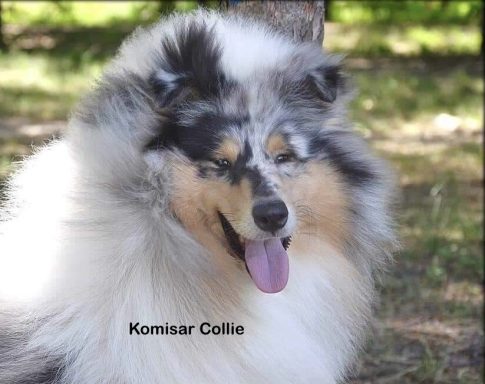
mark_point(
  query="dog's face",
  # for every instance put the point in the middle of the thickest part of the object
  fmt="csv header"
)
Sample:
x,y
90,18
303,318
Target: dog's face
x,y
251,169
250,184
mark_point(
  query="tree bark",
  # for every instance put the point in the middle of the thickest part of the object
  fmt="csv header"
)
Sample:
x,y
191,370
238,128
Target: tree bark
x,y
301,20
3,46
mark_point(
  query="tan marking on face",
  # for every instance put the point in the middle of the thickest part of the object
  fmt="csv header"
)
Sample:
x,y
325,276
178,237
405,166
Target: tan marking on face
x,y
276,144
196,202
193,206
321,205
228,150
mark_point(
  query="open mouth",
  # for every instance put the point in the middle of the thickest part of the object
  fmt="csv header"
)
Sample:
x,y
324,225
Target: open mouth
x,y
236,241
266,260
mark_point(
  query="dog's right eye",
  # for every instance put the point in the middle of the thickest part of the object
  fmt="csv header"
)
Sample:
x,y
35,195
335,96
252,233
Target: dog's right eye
x,y
283,158
222,163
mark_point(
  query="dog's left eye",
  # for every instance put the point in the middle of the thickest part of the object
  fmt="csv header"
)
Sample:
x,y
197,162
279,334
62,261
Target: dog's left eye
x,y
222,163
283,158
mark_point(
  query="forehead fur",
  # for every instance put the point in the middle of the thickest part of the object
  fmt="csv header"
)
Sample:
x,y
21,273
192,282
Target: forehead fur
x,y
247,46
276,143
205,55
228,149
189,81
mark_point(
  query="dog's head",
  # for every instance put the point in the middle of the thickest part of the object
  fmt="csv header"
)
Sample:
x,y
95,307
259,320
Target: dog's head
x,y
255,134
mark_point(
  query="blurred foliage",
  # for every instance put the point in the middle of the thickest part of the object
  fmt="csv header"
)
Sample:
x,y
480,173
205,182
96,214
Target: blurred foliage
x,y
404,11
64,13
92,13
41,86
454,25
98,13
393,40
457,92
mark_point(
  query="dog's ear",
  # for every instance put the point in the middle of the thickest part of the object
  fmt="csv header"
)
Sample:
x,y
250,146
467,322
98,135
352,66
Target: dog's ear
x,y
189,66
326,82
168,87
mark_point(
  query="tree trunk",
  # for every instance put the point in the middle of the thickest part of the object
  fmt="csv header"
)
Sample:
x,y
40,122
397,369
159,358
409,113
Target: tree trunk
x,y
301,20
3,46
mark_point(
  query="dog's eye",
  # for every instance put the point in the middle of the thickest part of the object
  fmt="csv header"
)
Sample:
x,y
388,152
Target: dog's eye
x,y
222,163
283,158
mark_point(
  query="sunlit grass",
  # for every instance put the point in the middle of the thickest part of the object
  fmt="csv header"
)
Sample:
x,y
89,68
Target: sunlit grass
x,y
408,40
88,13
40,87
92,13
405,11
417,99
43,71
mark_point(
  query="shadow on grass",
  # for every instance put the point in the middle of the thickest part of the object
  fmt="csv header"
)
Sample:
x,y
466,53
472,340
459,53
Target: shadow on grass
x,y
36,104
440,213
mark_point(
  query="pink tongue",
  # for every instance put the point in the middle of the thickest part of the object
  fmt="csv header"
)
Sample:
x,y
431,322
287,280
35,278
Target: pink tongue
x,y
267,262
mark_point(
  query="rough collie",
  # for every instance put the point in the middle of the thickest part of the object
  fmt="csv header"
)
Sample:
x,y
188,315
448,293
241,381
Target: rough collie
x,y
208,217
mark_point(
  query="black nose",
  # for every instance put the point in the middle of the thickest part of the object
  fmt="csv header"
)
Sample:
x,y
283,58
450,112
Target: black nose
x,y
270,216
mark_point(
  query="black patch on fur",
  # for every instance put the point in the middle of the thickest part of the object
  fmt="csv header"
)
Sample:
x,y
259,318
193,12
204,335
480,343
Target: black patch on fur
x,y
259,185
192,59
238,170
198,140
355,173
21,365
50,374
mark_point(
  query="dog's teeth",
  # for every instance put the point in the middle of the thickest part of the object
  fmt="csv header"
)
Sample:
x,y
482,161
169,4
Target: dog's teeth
x,y
286,242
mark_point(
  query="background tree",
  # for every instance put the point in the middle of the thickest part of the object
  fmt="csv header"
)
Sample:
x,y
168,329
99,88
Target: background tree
x,y
3,46
302,20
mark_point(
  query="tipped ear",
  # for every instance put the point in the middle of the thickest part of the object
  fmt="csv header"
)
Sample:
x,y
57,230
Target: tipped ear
x,y
188,65
326,82
168,87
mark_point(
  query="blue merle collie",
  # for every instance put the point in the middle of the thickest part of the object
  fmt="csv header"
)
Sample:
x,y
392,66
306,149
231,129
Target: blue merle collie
x,y
210,177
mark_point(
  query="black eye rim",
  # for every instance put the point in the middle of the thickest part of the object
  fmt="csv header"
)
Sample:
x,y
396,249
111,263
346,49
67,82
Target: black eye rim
x,y
283,158
222,163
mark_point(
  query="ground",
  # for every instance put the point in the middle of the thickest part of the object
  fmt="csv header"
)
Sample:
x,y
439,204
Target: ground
x,y
419,103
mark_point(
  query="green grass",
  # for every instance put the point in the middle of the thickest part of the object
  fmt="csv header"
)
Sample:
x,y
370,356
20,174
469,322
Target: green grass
x,y
64,13
404,106
101,13
405,11
42,87
441,177
88,14
46,70
416,96
409,40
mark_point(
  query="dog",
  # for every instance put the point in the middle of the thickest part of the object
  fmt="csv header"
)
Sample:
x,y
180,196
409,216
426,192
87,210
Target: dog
x,y
209,216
